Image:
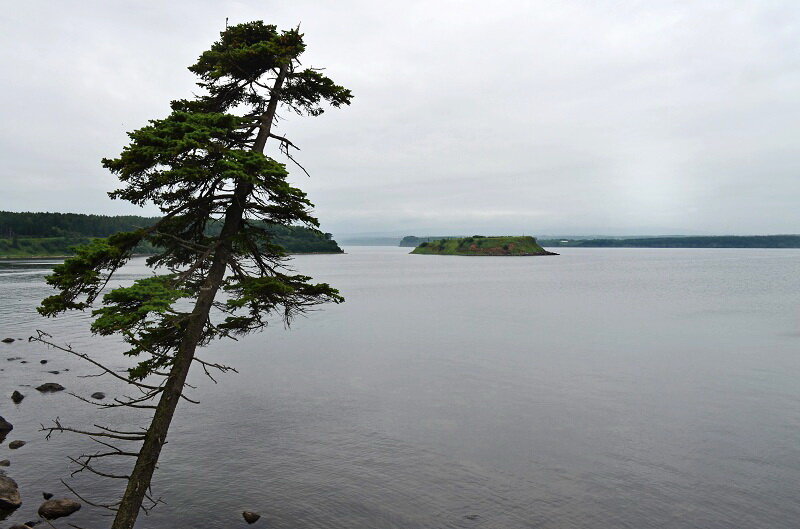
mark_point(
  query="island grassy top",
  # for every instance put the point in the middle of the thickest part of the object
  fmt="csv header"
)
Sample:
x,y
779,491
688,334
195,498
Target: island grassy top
x,y
479,245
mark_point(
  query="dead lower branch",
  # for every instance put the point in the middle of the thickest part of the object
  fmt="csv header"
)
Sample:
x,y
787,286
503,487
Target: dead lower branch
x,y
84,356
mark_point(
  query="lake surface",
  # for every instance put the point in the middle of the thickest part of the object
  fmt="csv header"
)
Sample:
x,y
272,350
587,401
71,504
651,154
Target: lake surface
x,y
602,388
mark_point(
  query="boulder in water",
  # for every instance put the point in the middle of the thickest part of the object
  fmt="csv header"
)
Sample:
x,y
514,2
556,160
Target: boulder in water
x,y
17,397
5,463
50,387
99,395
5,426
52,509
13,445
47,495
9,493
250,516
8,340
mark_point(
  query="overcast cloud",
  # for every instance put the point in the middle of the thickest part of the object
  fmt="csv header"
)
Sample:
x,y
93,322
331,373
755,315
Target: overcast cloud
x,y
617,117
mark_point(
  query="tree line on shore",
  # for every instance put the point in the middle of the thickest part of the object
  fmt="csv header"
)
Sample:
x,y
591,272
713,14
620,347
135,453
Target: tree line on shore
x,y
56,234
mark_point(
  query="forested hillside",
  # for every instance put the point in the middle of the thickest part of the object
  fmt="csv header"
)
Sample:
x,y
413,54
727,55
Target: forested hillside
x,y
67,224
56,234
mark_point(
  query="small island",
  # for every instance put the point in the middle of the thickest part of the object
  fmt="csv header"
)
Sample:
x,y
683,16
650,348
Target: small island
x,y
480,245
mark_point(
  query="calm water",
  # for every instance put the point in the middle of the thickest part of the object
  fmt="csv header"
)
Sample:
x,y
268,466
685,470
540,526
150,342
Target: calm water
x,y
601,388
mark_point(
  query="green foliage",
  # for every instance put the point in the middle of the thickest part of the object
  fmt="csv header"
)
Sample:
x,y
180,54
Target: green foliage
x,y
224,205
245,53
261,296
81,278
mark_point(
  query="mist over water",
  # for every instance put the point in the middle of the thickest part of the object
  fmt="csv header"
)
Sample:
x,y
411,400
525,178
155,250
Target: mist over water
x,y
600,388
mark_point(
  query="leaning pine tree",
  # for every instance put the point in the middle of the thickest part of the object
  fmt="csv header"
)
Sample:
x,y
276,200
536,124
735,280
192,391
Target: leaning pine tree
x,y
202,164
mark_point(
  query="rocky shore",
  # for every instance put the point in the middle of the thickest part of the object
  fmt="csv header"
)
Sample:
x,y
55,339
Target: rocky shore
x,y
15,509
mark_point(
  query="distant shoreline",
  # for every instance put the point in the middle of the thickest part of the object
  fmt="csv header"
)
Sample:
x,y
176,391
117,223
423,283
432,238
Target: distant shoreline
x,y
705,241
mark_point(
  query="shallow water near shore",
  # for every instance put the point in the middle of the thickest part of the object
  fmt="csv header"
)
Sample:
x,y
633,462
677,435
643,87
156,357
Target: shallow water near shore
x,y
600,388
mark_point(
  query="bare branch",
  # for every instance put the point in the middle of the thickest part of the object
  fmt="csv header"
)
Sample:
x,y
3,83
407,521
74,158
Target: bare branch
x,y
206,365
86,357
85,466
60,428
117,431
111,507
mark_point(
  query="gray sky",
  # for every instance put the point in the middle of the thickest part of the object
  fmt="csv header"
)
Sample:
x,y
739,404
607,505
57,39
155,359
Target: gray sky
x,y
614,117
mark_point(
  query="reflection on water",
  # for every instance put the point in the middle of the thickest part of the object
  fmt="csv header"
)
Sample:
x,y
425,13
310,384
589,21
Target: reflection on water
x,y
601,388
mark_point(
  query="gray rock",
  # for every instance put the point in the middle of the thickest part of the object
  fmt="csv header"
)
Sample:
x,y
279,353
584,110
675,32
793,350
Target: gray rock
x,y
5,463
98,395
250,516
13,445
50,387
5,426
20,526
8,340
46,495
9,493
52,509
17,397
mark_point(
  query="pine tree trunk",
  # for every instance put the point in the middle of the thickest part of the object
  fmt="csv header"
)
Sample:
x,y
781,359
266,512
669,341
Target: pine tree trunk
x,y
139,481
